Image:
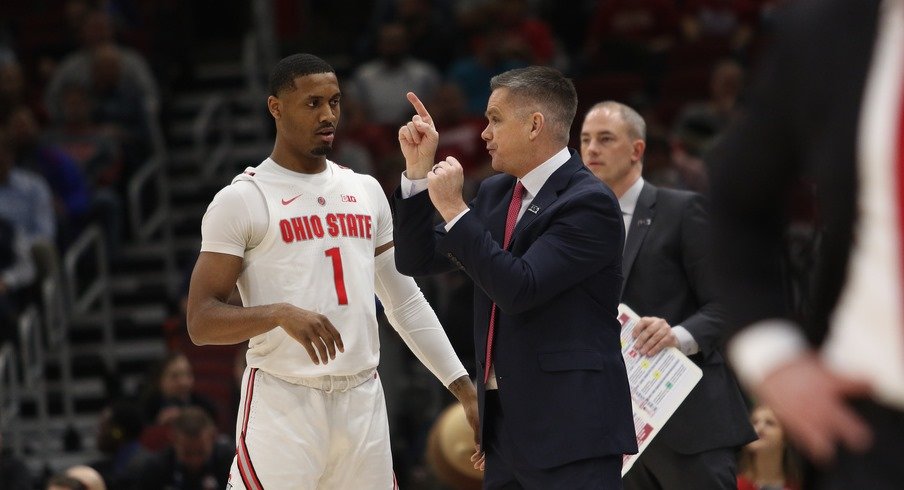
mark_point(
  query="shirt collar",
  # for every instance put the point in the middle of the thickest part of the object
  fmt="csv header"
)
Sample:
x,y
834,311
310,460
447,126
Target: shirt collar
x,y
535,179
628,201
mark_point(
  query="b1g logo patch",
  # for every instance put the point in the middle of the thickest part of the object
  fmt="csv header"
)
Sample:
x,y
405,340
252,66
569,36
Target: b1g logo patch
x,y
321,201
348,198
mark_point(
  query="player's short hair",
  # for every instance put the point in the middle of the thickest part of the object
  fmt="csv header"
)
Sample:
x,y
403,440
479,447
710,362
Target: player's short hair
x,y
291,67
543,89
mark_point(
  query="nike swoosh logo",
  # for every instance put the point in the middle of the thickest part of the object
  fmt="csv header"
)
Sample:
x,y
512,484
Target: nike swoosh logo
x,y
286,202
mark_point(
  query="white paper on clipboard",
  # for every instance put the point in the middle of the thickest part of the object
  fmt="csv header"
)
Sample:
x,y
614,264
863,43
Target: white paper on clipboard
x,y
658,384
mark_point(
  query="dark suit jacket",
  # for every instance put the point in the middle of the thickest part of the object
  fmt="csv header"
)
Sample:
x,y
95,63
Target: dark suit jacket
x,y
562,381
668,274
802,123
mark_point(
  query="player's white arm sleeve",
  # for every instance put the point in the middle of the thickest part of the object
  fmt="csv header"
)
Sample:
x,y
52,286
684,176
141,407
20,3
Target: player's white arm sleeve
x,y
763,347
411,315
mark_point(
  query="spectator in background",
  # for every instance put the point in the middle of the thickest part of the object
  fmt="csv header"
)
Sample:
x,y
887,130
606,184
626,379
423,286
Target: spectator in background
x,y
99,156
689,141
723,105
119,430
490,54
431,37
172,388
768,463
17,273
196,460
97,31
358,128
25,198
13,88
523,27
352,148
72,197
629,35
92,145
729,22
119,106
381,84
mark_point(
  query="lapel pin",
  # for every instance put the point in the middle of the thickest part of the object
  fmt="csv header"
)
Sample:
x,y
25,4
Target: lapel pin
x,y
644,222
533,208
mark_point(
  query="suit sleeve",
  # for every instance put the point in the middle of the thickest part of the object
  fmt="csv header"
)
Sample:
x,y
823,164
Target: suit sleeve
x,y
707,324
415,236
752,170
586,235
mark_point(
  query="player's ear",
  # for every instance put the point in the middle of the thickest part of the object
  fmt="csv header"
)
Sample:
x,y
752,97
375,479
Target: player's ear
x,y
273,106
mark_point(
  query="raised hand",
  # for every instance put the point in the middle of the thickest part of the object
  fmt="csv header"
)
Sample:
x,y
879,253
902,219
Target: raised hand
x,y
314,332
444,183
418,140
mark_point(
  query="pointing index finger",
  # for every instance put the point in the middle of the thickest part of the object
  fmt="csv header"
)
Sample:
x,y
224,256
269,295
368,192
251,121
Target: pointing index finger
x,y
418,105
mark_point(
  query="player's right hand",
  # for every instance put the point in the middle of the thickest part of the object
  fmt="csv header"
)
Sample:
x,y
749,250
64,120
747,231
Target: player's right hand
x,y
314,332
418,140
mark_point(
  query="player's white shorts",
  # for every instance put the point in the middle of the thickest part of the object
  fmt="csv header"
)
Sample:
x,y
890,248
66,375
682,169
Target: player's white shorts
x,y
295,437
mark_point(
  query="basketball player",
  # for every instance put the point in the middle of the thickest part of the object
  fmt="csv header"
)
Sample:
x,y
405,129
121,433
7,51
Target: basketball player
x,y
309,242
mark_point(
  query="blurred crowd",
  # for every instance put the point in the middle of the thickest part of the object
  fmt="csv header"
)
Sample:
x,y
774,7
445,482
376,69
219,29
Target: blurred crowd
x,y
82,81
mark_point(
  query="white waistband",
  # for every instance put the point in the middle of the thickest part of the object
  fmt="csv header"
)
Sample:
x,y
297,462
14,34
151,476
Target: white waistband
x,y
331,383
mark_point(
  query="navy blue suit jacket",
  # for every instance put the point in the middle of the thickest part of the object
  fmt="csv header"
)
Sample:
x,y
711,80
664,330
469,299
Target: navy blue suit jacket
x,y
557,356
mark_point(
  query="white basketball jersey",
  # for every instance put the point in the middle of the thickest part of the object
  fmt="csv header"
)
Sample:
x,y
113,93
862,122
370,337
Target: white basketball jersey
x,y
317,254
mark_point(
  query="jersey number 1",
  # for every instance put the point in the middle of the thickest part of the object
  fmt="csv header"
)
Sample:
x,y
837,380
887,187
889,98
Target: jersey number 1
x,y
338,277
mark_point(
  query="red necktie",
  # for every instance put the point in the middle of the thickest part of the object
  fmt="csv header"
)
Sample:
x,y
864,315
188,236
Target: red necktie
x,y
510,219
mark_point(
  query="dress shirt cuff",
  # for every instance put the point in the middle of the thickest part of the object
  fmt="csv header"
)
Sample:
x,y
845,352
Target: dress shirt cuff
x,y
763,347
412,187
454,220
686,342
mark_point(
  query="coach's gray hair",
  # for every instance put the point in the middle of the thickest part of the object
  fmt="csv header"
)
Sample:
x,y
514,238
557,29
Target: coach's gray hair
x,y
637,127
551,92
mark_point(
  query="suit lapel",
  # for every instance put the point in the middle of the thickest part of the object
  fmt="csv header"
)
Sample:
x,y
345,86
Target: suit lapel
x,y
644,212
548,193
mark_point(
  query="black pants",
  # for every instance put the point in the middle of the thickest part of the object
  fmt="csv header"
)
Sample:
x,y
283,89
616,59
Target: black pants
x,y
880,468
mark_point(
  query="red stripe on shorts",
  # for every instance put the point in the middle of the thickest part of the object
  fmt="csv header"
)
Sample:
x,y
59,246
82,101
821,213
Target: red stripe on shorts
x,y
246,469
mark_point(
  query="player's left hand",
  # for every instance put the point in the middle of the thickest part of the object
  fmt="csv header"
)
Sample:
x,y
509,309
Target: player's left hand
x,y
652,334
812,403
479,458
444,184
